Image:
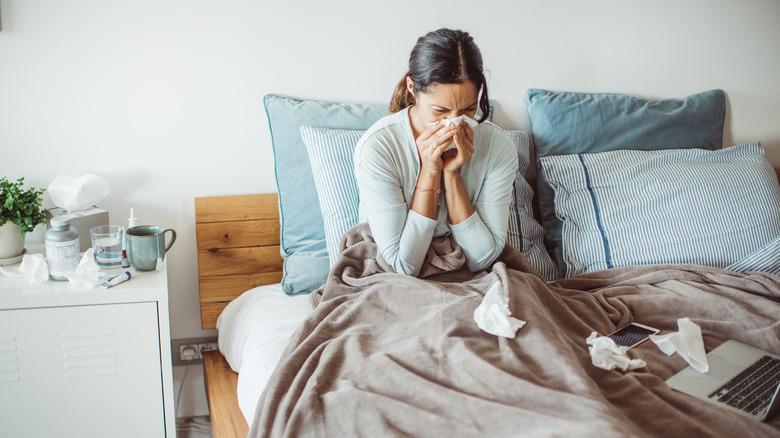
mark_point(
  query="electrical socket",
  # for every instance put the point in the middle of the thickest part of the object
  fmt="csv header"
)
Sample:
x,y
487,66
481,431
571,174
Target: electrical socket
x,y
190,351
210,346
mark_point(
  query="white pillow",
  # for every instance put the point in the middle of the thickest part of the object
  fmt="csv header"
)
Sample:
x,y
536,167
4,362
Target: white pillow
x,y
693,206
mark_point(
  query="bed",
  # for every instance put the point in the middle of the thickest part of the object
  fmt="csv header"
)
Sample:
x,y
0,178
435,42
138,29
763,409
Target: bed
x,y
382,354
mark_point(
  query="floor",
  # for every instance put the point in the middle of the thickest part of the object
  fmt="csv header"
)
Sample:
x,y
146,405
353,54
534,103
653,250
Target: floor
x,y
193,427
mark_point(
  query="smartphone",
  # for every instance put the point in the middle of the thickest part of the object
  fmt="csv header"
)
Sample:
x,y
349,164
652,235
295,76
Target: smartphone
x,y
632,335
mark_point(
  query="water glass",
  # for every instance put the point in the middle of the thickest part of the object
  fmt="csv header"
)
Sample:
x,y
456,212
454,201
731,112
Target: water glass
x,y
107,243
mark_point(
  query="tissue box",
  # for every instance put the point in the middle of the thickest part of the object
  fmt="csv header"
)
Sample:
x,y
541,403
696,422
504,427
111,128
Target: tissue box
x,y
82,221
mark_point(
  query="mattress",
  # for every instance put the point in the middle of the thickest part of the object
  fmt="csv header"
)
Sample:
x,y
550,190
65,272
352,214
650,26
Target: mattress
x,y
254,330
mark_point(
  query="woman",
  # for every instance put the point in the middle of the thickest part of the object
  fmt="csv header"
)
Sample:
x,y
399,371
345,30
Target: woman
x,y
411,189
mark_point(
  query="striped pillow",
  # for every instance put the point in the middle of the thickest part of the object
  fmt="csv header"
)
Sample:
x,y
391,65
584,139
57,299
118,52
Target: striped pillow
x,y
693,206
524,232
330,153
766,259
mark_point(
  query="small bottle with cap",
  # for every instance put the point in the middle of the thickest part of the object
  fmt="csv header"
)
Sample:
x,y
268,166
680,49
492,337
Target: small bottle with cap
x,y
62,248
132,221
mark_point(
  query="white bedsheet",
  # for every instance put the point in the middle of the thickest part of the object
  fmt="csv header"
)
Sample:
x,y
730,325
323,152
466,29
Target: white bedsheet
x,y
253,331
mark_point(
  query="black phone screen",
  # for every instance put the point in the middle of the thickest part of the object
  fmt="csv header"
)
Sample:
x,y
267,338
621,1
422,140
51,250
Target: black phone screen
x,y
631,335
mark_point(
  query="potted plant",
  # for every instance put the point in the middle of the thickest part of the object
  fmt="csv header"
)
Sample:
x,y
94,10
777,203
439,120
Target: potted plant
x,y
20,212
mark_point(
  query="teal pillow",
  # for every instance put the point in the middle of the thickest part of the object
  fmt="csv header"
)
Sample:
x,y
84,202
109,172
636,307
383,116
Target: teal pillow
x,y
564,123
302,229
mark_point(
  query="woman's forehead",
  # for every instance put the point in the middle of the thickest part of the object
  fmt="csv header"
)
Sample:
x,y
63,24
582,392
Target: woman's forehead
x,y
453,96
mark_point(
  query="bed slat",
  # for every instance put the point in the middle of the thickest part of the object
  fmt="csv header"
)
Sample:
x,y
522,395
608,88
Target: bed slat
x,y
237,234
227,421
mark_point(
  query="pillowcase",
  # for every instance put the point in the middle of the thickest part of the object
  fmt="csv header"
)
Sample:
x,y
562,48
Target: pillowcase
x,y
524,232
330,153
302,229
691,206
571,123
766,259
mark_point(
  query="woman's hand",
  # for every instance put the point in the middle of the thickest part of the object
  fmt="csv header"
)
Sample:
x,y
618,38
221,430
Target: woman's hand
x,y
454,159
431,144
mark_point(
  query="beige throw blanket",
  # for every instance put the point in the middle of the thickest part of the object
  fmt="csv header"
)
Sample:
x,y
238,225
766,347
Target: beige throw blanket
x,y
385,354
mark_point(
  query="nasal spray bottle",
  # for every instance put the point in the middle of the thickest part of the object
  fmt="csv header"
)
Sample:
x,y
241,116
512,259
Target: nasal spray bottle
x,y
132,221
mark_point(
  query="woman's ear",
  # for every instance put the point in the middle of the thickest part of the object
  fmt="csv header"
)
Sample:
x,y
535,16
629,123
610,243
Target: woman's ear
x,y
410,85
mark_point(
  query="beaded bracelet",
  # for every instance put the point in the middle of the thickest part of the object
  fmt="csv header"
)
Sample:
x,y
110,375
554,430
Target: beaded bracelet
x,y
418,189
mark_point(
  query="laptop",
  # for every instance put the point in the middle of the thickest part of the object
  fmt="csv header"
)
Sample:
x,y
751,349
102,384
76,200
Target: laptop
x,y
741,378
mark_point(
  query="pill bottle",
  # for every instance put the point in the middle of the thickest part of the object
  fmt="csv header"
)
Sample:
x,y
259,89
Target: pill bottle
x,y
62,248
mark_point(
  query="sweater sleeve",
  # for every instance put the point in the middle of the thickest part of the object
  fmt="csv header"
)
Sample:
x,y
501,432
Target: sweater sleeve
x,y
483,235
402,235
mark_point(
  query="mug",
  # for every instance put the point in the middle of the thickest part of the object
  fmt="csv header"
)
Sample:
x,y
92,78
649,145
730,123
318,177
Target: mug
x,y
146,246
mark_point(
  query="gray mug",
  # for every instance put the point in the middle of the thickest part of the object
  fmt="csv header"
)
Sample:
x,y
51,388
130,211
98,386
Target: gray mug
x,y
146,246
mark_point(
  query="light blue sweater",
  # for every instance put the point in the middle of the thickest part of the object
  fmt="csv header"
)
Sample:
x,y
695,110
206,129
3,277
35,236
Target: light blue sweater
x,y
386,168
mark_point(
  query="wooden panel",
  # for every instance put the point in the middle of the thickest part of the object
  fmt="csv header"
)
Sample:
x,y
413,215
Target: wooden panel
x,y
236,234
239,261
209,312
229,287
227,421
238,207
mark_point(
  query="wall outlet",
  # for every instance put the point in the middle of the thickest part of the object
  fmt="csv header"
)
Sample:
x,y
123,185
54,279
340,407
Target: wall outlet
x,y
190,351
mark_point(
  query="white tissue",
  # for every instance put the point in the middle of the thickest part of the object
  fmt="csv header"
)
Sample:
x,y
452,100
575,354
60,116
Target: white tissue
x,y
606,354
87,273
76,194
456,121
493,316
33,267
687,342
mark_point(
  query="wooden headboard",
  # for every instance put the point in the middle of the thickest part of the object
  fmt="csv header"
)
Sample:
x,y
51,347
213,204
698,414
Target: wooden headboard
x,y
238,249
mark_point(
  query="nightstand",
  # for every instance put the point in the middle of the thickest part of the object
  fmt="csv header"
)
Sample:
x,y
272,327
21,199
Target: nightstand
x,y
86,362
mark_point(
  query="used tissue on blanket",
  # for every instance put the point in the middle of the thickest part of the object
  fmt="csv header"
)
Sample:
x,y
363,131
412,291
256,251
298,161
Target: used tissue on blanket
x,y
456,121
75,194
493,315
687,342
33,267
606,354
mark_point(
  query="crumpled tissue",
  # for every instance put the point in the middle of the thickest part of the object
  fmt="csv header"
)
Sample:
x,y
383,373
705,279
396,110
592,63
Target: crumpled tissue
x,y
687,342
76,194
493,315
456,121
33,267
87,273
606,354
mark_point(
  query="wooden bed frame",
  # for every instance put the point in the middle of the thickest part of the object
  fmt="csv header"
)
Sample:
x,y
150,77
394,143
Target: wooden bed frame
x,y
238,249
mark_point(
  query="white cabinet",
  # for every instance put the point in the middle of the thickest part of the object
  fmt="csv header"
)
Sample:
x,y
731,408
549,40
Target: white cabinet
x,y
86,362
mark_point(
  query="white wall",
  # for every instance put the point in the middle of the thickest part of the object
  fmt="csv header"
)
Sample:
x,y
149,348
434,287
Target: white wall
x,y
164,98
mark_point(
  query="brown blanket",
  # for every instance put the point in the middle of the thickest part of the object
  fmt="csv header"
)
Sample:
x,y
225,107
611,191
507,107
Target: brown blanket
x,y
390,355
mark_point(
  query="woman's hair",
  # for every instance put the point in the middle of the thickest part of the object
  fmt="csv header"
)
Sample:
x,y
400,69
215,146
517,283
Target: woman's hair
x,y
444,56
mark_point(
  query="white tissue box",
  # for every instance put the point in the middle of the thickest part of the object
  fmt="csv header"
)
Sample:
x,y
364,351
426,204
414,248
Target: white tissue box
x,y
82,221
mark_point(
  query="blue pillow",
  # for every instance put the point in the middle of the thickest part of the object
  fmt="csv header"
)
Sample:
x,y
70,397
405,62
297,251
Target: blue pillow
x,y
330,152
302,229
692,206
572,123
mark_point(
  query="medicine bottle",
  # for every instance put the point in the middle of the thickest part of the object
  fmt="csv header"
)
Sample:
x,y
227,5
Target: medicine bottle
x,y
62,248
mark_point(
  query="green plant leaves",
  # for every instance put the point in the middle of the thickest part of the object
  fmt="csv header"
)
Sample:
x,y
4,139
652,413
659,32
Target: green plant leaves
x,y
21,207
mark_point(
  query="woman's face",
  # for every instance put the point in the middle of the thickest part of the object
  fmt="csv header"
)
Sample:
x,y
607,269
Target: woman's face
x,y
443,101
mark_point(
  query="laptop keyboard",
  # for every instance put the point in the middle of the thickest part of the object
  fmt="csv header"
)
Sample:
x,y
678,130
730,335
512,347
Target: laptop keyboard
x,y
752,389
